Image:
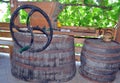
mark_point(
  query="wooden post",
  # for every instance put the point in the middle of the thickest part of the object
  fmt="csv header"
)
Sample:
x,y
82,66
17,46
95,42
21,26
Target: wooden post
x,y
117,36
10,51
13,5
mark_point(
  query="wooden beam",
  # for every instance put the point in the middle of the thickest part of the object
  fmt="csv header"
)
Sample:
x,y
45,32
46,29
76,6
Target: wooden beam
x,y
79,40
79,29
3,24
4,42
77,58
75,33
5,34
10,51
6,50
4,28
78,49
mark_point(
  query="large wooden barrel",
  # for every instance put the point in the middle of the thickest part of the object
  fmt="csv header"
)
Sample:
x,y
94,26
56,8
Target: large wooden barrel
x,y
100,60
56,63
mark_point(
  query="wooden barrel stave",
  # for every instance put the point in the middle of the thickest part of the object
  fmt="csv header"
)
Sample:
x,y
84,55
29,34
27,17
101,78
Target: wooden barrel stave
x,y
100,61
100,64
106,58
56,63
40,40
96,77
98,71
56,74
102,50
48,61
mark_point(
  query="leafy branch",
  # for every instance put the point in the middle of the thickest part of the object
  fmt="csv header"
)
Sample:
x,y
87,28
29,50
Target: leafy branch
x,y
89,5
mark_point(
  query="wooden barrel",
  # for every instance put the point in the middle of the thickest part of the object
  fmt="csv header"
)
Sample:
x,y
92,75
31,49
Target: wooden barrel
x,y
100,60
56,63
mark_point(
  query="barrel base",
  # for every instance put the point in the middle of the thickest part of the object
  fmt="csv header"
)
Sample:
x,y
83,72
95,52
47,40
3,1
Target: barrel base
x,y
29,74
55,63
95,78
100,60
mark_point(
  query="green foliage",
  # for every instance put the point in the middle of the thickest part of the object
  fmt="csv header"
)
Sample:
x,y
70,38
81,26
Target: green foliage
x,y
23,16
78,45
6,17
91,15
96,13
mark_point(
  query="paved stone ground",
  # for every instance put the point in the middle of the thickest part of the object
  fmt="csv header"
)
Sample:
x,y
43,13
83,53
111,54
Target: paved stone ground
x,y
6,77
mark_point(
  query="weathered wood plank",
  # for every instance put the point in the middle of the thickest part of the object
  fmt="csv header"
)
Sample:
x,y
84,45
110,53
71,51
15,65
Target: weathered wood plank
x,y
3,24
5,50
10,51
78,49
75,33
80,29
5,34
79,40
70,33
77,58
4,28
117,35
6,42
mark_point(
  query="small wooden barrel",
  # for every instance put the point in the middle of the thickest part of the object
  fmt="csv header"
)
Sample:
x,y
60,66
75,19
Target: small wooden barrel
x,y
56,63
100,60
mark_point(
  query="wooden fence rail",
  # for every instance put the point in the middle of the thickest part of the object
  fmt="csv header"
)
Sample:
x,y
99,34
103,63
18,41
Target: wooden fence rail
x,y
79,33
6,43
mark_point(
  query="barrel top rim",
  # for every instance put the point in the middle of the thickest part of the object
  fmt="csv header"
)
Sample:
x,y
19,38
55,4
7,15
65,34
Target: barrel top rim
x,y
100,44
40,34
